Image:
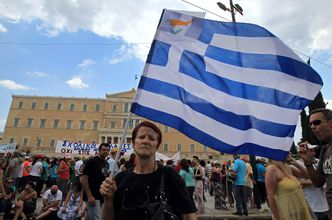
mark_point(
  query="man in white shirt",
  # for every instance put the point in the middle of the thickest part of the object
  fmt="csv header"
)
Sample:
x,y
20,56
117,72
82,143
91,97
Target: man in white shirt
x,y
51,201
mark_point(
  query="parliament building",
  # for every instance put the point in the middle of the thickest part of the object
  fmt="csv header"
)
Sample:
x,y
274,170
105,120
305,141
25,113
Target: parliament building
x,y
37,122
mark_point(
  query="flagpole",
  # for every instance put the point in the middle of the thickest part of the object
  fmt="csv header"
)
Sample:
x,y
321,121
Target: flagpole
x,y
121,145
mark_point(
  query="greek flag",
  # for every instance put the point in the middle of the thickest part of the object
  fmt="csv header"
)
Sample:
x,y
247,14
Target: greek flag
x,y
234,87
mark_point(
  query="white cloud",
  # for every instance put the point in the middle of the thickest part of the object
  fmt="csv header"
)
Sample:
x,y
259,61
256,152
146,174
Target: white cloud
x,y
77,83
9,84
37,74
125,52
2,28
86,63
303,24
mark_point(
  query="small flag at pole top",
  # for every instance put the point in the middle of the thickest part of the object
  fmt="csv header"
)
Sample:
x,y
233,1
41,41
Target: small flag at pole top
x,y
234,87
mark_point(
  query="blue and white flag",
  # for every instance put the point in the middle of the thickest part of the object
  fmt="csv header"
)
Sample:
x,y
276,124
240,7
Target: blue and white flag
x,y
234,87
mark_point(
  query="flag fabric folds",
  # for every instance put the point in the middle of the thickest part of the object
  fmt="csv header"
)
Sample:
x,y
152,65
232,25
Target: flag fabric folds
x,y
234,87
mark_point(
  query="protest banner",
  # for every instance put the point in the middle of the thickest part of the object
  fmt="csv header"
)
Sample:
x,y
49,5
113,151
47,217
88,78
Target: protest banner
x,y
88,149
7,148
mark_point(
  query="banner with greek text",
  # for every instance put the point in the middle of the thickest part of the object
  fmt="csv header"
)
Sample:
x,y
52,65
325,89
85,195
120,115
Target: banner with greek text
x,y
88,149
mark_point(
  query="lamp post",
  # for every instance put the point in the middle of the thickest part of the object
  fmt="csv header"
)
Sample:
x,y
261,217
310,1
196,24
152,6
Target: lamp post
x,y
232,8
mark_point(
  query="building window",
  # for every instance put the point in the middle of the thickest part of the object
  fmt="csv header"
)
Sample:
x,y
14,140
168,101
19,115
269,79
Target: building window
x,y
52,143
42,123
20,105
165,147
85,107
97,107
128,140
72,106
136,122
124,121
25,142
165,129
192,148
39,142
16,121
95,125
205,148
112,124
131,123
126,107
46,106
11,140
114,108
82,124
59,107
33,105
56,123
29,123
69,122
179,147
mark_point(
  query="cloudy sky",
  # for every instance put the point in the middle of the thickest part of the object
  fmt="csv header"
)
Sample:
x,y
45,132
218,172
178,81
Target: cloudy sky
x,y
87,48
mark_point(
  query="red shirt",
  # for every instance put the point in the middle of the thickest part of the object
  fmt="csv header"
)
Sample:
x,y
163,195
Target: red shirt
x,y
63,171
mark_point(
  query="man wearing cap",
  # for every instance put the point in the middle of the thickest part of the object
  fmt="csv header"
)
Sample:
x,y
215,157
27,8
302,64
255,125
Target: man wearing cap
x,y
320,122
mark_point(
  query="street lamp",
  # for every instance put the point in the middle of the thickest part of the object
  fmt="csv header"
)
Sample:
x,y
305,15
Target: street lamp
x,y
232,8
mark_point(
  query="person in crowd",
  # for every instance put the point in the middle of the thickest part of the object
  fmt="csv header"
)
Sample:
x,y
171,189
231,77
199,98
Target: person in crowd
x,y
51,203
131,162
216,176
133,191
315,196
320,122
64,174
3,192
26,202
72,206
13,168
53,172
78,165
240,194
249,186
72,177
199,187
187,174
95,171
6,198
209,167
260,166
203,165
25,172
35,173
45,174
112,164
286,199
227,192
122,165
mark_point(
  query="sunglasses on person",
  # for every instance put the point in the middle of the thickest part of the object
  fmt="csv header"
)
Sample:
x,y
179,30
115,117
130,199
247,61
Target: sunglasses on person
x,y
316,122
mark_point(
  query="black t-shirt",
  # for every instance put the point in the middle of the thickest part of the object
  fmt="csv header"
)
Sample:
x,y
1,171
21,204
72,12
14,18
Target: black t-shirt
x,y
96,169
136,190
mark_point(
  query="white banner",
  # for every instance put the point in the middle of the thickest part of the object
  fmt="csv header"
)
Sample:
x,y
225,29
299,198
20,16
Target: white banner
x,y
79,148
175,157
7,148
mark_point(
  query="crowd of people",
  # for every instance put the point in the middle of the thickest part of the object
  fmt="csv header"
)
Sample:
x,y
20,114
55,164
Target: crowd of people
x,y
143,188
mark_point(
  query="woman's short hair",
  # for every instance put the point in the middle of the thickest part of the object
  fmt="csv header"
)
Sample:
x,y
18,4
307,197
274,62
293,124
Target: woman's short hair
x,y
149,125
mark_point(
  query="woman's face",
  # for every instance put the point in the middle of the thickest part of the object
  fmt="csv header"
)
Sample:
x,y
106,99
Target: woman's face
x,y
146,142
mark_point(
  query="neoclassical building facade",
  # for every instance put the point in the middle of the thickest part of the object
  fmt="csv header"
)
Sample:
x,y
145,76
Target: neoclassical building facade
x,y
37,122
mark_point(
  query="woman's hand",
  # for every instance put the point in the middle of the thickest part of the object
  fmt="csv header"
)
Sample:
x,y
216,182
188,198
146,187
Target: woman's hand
x,y
108,188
